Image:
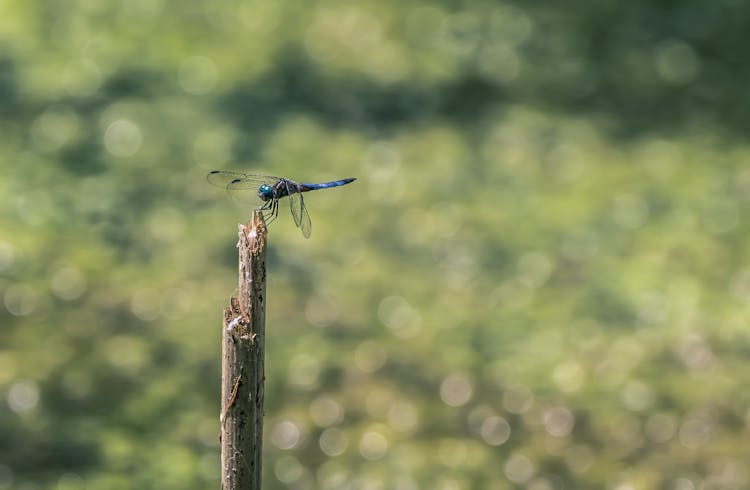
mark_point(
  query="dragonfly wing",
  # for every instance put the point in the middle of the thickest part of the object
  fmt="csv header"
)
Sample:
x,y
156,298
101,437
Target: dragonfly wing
x,y
241,187
238,180
299,211
305,224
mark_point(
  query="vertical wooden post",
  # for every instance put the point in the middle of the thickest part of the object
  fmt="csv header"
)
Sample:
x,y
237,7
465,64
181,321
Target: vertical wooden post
x,y
242,370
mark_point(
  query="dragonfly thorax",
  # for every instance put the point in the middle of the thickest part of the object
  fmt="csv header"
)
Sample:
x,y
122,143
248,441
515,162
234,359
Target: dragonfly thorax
x,y
265,192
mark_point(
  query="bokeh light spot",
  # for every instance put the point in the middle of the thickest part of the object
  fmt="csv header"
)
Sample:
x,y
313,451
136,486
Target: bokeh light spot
x,y
378,402
510,25
126,352
683,484
332,474
517,399
70,481
637,395
500,63
727,472
660,427
286,434
452,452
333,441
373,445
568,376
579,458
456,390
20,300
123,138
403,416
695,432
81,77
321,311
369,356
68,283
695,352
461,33
495,430
54,129
558,421
288,469
676,62
76,384
519,468
325,411
400,317
23,396
145,304
541,483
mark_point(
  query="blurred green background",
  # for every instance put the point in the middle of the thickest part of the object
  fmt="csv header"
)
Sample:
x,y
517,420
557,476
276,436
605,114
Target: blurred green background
x,y
539,280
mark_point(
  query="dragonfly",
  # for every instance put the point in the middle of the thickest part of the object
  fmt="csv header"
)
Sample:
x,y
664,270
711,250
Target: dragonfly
x,y
271,189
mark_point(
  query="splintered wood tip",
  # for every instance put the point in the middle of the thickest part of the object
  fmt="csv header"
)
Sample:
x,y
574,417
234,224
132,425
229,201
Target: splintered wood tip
x,y
253,233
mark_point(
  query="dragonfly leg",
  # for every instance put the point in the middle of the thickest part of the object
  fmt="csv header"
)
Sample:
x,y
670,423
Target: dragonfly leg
x,y
271,210
271,218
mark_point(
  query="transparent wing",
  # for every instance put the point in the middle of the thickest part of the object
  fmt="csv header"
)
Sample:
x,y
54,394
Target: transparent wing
x,y
238,180
299,211
306,224
242,187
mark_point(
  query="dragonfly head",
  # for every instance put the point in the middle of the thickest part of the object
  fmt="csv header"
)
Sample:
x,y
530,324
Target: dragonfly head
x,y
265,192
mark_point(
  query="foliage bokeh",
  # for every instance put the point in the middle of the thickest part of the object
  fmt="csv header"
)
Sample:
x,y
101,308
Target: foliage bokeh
x,y
538,280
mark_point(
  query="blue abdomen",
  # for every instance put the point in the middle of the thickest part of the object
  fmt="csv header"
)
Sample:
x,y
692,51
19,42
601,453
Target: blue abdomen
x,y
310,187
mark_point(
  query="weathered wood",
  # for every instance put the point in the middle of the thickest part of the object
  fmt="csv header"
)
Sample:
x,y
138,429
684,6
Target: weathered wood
x,y
242,370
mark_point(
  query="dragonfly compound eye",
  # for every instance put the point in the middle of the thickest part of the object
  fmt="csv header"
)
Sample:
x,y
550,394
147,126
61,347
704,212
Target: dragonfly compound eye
x,y
265,192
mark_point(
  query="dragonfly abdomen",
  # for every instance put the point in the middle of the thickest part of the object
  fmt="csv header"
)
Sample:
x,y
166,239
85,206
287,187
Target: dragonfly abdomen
x,y
304,186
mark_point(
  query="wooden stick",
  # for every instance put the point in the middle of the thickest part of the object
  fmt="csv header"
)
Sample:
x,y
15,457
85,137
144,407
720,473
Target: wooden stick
x,y
242,370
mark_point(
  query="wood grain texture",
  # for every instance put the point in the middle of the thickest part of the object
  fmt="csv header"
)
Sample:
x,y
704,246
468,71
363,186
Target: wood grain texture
x,y
242,371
